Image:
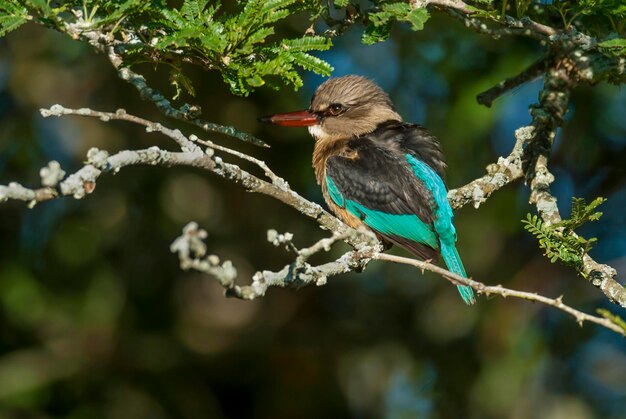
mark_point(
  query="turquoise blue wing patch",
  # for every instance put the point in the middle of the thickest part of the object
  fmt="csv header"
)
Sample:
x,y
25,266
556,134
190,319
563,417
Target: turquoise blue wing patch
x,y
334,193
443,212
408,226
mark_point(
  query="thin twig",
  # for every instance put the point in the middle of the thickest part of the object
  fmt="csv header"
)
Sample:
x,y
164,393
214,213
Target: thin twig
x,y
276,180
186,113
504,292
532,72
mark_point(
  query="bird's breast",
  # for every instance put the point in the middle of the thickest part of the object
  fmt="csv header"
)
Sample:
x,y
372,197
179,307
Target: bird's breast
x,y
322,151
325,148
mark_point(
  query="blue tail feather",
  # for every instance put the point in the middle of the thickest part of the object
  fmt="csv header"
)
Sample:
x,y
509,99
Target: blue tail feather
x,y
453,262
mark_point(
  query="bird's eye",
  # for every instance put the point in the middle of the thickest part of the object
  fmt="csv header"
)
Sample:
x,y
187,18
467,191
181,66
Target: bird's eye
x,y
335,109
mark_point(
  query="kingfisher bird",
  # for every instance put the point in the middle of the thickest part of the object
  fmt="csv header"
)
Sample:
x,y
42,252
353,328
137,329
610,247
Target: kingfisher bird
x,y
378,171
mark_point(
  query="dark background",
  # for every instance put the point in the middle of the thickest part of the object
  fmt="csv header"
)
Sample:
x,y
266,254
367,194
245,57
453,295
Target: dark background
x,y
97,319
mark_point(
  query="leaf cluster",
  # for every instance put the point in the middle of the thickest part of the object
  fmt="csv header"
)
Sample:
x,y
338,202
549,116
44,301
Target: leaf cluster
x,y
98,13
381,18
559,241
239,38
199,32
237,44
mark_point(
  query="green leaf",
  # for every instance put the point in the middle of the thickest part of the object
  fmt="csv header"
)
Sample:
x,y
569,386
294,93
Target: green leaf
x,y
308,43
616,46
374,34
277,4
12,16
260,35
255,81
381,22
582,213
273,5
192,10
397,9
559,241
311,63
418,18
615,8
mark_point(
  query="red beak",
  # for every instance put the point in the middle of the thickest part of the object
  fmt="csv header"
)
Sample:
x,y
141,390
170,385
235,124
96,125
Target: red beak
x,y
292,119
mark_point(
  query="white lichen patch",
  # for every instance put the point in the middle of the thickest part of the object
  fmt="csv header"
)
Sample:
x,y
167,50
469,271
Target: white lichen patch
x,y
478,196
80,183
97,158
51,174
277,239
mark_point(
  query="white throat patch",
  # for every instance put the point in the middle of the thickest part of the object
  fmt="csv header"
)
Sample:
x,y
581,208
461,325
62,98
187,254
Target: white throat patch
x,y
318,132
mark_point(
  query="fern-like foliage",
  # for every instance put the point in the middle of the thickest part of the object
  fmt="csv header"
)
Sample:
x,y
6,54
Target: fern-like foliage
x,y
559,241
238,44
12,16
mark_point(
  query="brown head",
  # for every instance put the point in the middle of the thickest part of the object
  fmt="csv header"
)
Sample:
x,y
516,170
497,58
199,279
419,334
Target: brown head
x,y
342,108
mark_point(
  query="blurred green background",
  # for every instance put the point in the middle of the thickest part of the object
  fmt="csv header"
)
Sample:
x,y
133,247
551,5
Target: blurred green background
x,y
98,321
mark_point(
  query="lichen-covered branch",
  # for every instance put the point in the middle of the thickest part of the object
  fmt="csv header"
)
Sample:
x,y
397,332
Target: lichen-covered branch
x,y
15,191
505,292
192,253
547,117
506,26
499,174
83,181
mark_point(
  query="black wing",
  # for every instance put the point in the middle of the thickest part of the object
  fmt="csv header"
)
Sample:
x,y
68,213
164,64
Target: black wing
x,y
414,139
381,179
